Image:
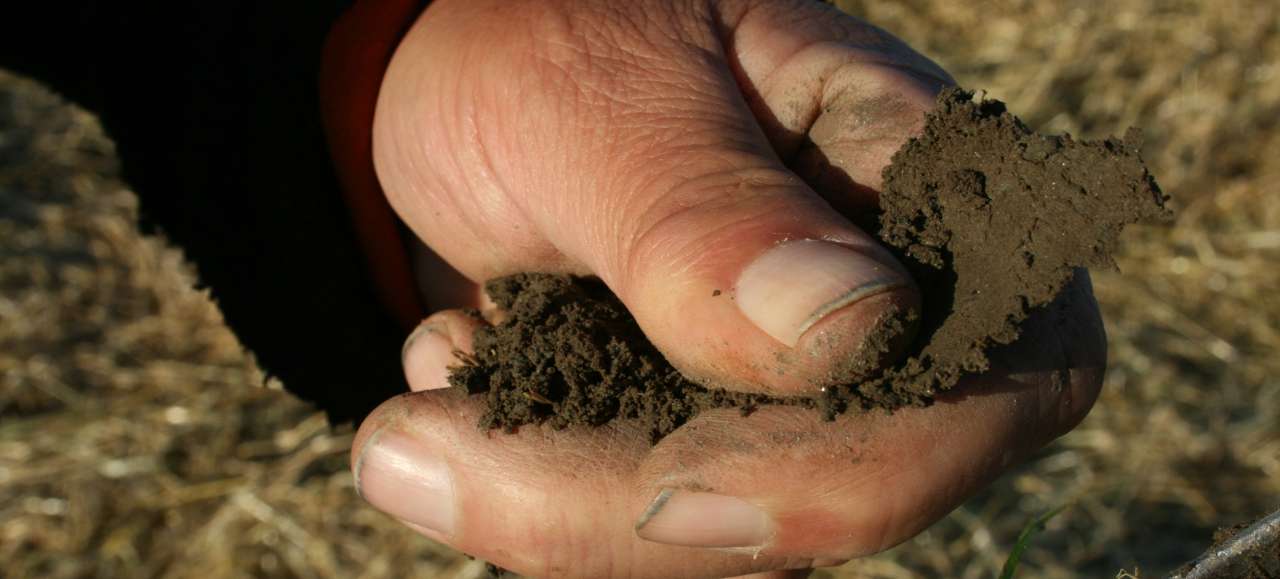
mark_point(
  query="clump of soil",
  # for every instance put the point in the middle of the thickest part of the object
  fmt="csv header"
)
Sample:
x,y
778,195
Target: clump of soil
x,y
570,353
991,218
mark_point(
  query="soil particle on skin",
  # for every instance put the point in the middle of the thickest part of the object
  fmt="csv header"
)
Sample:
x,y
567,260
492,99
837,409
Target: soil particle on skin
x,y
991,218
496,572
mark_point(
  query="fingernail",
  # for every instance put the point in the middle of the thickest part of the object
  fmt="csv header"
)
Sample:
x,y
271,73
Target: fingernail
x,y
402,478
792,286
696,519
426,356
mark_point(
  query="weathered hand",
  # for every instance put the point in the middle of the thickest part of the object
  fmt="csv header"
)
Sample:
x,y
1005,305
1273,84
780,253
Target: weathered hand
x,y
674,149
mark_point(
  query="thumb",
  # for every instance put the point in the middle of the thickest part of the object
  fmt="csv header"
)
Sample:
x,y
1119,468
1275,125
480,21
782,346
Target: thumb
x,y
615,139
753,282
743,275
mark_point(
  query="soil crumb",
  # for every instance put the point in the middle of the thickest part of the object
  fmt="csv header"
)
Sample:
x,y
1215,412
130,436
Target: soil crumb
x,y
991,218
570,353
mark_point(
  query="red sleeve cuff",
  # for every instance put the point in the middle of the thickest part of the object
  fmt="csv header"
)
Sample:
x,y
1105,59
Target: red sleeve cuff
x,y
355,56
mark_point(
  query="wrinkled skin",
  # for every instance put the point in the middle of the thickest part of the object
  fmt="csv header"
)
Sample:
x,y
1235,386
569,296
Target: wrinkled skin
x,y
663,146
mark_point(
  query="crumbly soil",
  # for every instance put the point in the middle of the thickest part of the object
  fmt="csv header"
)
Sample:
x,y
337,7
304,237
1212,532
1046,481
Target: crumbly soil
x,y
991,218
570,353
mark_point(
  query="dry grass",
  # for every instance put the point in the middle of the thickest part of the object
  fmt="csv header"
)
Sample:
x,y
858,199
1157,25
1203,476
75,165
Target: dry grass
x,y
136,440
135,437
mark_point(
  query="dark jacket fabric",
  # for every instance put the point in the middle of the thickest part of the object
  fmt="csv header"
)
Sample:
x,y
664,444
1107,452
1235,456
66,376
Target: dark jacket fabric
x,y
214,110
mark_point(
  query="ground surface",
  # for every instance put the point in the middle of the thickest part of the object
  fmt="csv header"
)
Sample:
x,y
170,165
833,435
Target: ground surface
x,y
135,440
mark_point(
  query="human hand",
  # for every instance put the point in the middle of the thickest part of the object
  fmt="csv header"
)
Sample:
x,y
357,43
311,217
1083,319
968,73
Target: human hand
x,y
674,149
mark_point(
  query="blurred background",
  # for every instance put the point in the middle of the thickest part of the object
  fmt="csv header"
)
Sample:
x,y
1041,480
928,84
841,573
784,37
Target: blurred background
x,y
137,438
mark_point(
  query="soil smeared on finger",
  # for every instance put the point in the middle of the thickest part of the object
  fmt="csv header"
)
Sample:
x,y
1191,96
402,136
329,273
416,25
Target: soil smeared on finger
x,y
991,218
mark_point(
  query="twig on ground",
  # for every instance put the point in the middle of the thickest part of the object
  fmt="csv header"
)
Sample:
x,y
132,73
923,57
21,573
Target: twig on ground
x,y
1249,547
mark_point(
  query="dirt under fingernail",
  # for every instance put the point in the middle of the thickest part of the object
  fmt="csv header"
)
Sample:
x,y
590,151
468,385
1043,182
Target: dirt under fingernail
x,y
991,219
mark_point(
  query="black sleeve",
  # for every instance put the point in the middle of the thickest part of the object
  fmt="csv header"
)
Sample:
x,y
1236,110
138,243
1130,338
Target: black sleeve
x,y
214,110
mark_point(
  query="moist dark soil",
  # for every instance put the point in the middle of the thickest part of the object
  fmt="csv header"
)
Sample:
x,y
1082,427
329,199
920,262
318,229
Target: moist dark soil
x,y
570,353
991,218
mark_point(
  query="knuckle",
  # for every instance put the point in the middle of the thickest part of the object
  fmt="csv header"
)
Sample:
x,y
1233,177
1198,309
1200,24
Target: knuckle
x,y
690,221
